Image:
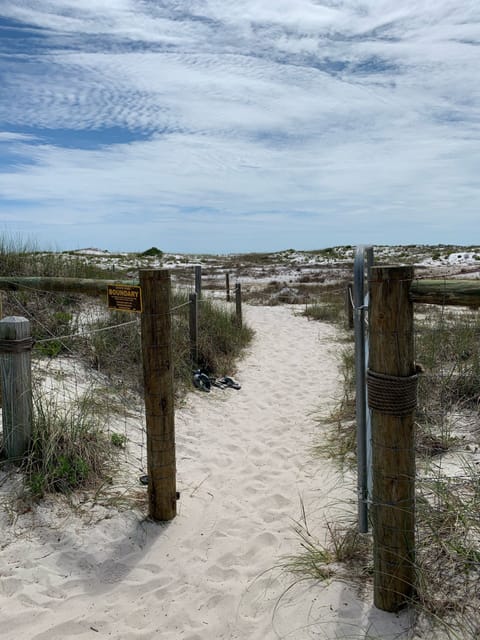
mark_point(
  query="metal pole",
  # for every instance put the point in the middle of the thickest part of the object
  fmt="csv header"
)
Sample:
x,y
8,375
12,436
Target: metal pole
x,y
368,413
360,377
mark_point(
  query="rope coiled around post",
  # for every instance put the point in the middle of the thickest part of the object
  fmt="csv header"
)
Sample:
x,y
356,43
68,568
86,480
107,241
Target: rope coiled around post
x,y
392,395
16,346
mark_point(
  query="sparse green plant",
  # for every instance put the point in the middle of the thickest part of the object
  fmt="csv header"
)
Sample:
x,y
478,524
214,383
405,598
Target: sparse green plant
x,y
323,312
329,305
343,550
447,508
313,562
116,353
52,323
448,553
118,440
339,440
448,347
69,449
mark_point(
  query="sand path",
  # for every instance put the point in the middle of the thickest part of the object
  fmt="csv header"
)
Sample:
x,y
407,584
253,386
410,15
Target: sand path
x,y
244,463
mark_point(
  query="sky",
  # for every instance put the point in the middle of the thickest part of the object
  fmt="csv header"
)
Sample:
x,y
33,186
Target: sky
x,y
223,126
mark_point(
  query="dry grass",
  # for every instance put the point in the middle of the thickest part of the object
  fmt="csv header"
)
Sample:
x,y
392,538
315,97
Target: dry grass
x,y
448,506
70,449
72,446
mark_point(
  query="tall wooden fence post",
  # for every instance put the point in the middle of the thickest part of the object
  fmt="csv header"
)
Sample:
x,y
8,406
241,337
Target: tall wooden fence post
x,y
392,398
16,379
227,285
238,303
198,280
159,393
193,323
349,305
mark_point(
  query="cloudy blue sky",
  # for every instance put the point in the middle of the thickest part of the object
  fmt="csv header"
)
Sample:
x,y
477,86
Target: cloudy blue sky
x,y
239,125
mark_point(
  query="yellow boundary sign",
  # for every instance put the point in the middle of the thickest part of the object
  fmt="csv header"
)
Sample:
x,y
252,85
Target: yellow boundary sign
x,y
124,297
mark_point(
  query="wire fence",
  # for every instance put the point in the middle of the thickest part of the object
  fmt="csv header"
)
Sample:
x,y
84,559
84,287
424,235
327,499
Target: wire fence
x,y
442,458
87,368
447,460
87,362
448,414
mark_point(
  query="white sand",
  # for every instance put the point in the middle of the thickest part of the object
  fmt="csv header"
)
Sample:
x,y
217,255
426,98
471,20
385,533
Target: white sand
x,y
244,462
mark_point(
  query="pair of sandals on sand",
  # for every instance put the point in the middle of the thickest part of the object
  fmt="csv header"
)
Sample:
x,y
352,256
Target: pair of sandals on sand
x,y
203,382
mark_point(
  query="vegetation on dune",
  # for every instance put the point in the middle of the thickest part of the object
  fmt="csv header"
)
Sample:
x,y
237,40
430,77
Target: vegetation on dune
x,y
73,448
19,258
220,344
329,307
152,252
447,505
71,445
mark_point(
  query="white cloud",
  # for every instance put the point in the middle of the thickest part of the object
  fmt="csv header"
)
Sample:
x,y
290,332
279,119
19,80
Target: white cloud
x,y
10,136
291,108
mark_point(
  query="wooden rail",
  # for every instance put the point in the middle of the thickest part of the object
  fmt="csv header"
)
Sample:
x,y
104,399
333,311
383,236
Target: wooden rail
x,y
462,293
69,285
449,292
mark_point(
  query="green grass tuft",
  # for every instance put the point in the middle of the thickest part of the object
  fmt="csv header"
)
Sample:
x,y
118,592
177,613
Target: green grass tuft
x,y
69,448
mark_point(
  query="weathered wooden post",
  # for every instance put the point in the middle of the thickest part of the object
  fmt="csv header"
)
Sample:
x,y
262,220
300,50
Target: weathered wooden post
x,y
198,280
16,380
238,303
392,384
349,305
159,395
193,323
227,285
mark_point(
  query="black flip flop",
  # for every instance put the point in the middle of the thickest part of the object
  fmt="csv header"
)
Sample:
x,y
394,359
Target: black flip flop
x,y
230,382
201,381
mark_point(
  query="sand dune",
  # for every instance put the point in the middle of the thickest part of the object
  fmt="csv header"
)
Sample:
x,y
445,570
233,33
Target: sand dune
x,y
244,464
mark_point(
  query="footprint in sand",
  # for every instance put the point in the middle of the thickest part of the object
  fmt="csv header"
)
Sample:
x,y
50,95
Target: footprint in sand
x,y
110,572
10,586
219,574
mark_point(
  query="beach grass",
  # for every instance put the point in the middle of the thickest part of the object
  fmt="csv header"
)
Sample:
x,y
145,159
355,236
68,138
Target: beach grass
x,y
71,446
447,589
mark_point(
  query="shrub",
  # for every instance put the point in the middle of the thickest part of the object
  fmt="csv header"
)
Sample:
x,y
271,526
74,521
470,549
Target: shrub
x,y
153,252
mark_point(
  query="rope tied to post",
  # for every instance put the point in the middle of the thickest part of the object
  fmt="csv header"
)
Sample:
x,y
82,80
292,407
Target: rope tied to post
x,y
392,395
16,346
